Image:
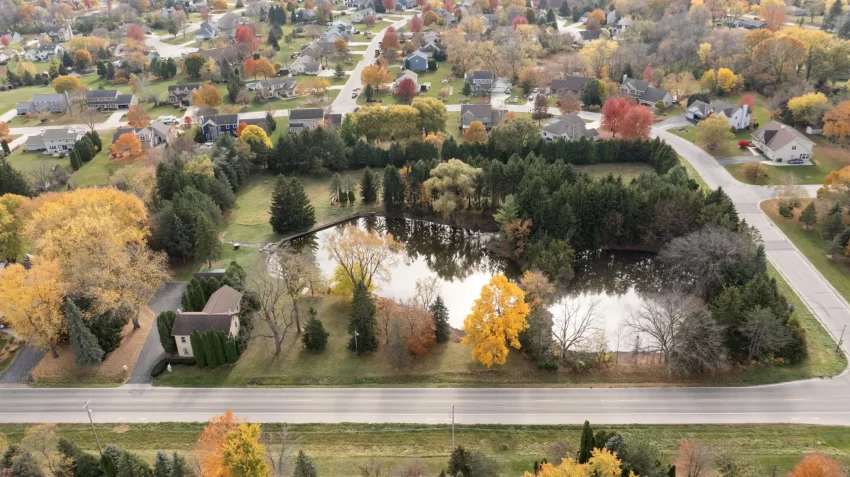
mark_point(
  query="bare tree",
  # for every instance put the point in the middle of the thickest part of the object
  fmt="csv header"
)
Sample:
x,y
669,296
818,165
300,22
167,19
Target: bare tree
x,y
372,468
695,459
700,346
701,257
659,318
788,190
90,117
272,294
297,271
281,461
412,468
574,323
42,440
427,290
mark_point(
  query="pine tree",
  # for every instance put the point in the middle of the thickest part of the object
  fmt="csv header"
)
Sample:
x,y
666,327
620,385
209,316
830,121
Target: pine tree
x,y
6,149
393,189
162,465
809,216
221,345
209,350
281,213
207,243
587,444
231,350
441,320
368,187
305,214
342,196
85,149
76,162
132,465
95,139
164,324
339,71
271,122
200,138
833,14
304,466
178,466
198,349
233,87
832,224
315,338
351,197
87,351
362,324
467,89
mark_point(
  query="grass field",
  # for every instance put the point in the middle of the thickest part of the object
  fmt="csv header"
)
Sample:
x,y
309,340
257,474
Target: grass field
x,y
812,245
434,77
827,156
338,448
627,171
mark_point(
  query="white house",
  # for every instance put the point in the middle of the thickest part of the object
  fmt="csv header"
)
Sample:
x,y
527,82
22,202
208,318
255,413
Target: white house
x,y
305,65
781,143
59,34
739,117
644,92
360,16
569,127
303,119
221,313
206,31
55,141
406,74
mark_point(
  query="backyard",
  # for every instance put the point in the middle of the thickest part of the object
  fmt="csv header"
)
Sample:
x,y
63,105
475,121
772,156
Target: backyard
x,y
435,78
827,157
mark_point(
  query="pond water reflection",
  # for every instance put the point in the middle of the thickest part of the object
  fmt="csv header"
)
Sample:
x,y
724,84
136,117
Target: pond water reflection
x,y
462,265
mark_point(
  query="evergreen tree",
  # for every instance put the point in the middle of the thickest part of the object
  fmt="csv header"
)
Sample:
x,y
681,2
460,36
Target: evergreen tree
x,y
101,69
832,224
368,187
393,189
627,71
832,15
178,466
441,320
271,122
164,324
459,462
809,216
207,243
76,162
304,466
843,32
315,338
587,444
231,349
291,209
467,89
87,351
132,465
351,197
200,138
162,465
25,465
110,71
85,149
210,352
233,87
107,463
550,16
564,9
67,60
339,71
95,139
198,349
362,324
5,145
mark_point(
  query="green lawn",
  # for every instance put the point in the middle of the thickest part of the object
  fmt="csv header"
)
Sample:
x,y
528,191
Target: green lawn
x,y
454,85
10,99
338,448
98,171
627,171
828,157
812,245
54,119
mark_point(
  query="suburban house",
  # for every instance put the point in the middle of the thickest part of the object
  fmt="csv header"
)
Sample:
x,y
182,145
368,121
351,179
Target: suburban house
x,y
407,74
206,31
123,29
501,86
570,84
181,93
275,88
305,15
359,4
416,61
748,24
109,100
779,143
343,26
215,126
585,37
59,34
305,65
570,127
404,4
481,82
11,36
310,118
55,103
644,92
480,112
43,52
739,117
221,313
229,21
448,17
360,16
611,17
55,141
152,136
228,58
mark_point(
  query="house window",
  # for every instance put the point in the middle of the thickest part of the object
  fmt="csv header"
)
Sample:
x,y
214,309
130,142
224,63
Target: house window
x,y
185,351
793,148
805,156
182,339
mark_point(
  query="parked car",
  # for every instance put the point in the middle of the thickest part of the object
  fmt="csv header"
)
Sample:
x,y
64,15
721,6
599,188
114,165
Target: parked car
x,y
168,120
355,32
295,55
795,161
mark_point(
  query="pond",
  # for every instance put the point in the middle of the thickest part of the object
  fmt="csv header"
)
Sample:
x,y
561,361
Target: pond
x,y
612,282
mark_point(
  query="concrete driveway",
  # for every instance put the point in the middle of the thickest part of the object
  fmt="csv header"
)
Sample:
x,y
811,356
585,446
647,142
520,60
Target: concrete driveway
x,y
166,298
19,371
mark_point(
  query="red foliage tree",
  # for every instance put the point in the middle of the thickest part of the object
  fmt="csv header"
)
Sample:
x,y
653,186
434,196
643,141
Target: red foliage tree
x,y
205,13
187,120
135,32
240,128
426,8
416,24
648,75
245,37
4,40
87,3
817,465
390,40
406,89
419,3
637,123
750,101
389,5
494,4
519,21
614,113
449,5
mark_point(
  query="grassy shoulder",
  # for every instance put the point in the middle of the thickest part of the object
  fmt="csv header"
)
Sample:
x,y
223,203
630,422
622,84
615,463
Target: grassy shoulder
x,y
812,245
338,448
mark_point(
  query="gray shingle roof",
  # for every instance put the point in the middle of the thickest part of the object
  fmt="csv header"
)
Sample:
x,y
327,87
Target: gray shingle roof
x,y
106,93
570,125
776,135
306,113
60,134
570,83
220,119
187,322
224,300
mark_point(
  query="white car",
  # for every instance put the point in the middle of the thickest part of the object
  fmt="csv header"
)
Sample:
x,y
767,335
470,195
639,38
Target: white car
x,y
168,120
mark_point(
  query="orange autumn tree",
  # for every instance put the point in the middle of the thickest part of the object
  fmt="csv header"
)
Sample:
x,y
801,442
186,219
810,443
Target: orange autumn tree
x,y
210,448
497,318
127,145
375,76
207,95
4,129
241,128
836,122
137,117
475,132
817,465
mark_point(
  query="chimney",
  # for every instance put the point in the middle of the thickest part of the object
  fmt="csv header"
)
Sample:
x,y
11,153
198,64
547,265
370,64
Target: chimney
x,y
625,77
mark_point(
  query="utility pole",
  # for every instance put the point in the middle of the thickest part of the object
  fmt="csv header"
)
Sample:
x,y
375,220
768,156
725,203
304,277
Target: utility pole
x,y
840,339
88,411
453,427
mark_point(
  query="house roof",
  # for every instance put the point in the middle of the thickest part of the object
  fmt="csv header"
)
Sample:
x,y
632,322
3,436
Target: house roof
x,y
483,75
277,81
181,88
228,21
39,98
34,141
106,93
406,74
306,113
61,134
124,99
715,107
333,119
221,119
776,135
205,27
230,53
570,83
187,322
588,35
310,63
570,125
225,300
417,53
160,129
653,94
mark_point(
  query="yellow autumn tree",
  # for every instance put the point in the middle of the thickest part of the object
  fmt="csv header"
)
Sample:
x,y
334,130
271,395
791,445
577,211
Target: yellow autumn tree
x,y
25,66
127,145
254,133
375,76
497,318
4,129
207,95
138,117
836,186
31,302
209,450
602,463
243,455
11,228
836,122
475,132
808,108
726,80
67,83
